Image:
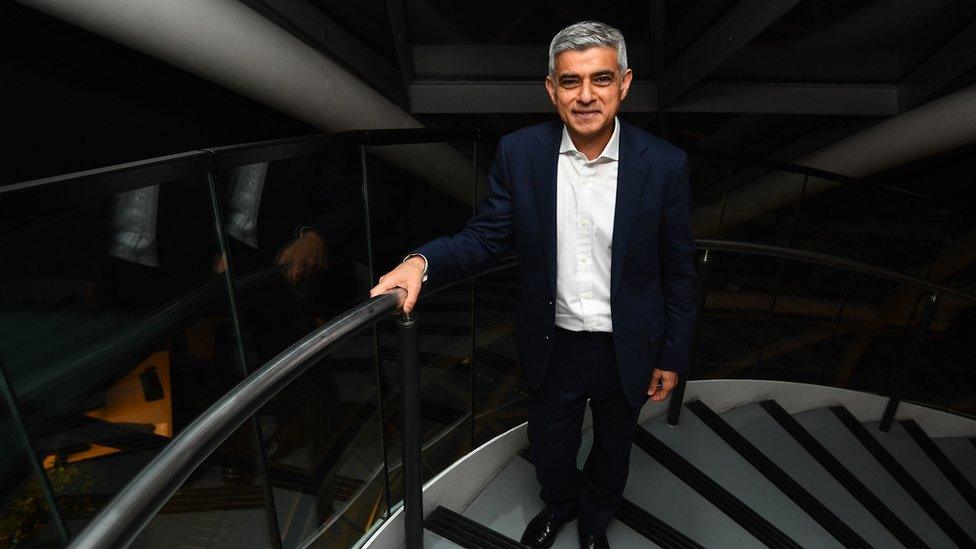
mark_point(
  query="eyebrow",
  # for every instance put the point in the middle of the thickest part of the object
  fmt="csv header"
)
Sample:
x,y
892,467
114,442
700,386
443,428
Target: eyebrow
x,y
576,75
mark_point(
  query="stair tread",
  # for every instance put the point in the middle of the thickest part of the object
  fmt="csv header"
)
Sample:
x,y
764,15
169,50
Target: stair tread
x,y
676,503
759,428
706,450
829,431
511,499
961,452
434,541
908,453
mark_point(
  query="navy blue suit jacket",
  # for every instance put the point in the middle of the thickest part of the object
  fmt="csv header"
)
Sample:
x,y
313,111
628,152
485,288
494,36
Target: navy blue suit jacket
x,y
652,278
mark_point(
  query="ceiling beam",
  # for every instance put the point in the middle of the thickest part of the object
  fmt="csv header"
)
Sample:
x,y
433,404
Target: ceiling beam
x,y
746,20
484,97
945,65
312,26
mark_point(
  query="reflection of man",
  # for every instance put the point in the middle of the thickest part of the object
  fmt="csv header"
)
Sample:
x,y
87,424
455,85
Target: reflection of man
x,y
598,211
306,254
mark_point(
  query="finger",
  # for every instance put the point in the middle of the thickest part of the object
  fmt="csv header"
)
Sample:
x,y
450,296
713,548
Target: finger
x,y
654,381
413,292
384,284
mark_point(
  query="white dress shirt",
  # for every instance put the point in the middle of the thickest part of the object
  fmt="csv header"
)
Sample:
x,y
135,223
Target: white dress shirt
x,y
586,194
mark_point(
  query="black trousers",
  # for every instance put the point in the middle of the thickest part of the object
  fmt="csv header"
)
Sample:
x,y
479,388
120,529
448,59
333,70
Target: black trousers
x,y
583,367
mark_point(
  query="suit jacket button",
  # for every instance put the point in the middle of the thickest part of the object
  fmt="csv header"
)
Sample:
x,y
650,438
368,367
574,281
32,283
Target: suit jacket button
x,y
547,338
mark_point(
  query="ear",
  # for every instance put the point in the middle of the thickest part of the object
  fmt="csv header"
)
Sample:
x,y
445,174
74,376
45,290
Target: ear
x,y
625,83
551,88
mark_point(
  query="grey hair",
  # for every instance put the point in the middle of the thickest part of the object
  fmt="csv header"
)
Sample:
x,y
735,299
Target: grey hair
x,y
585,35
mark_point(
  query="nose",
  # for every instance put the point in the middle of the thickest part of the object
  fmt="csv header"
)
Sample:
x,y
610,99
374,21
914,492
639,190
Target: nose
x,y
586,92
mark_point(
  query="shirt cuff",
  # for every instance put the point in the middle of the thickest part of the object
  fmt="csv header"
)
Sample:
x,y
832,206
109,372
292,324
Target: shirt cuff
x,y
408,256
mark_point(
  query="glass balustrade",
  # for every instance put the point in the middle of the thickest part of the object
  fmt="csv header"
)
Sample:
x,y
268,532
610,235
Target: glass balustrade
x,y
131,299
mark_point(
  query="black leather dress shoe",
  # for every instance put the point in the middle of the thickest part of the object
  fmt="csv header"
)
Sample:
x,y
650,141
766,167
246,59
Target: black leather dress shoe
x,y
589,541
543,529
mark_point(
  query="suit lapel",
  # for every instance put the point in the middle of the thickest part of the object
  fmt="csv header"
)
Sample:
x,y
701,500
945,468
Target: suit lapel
x,y
544,165
632,171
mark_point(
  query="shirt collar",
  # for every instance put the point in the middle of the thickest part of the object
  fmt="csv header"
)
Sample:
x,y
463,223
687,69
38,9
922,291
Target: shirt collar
x,y
611,151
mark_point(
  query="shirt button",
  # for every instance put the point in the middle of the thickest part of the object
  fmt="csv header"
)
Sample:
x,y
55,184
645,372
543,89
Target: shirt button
x,y
550,303
582,259
585,222
587,295
547,338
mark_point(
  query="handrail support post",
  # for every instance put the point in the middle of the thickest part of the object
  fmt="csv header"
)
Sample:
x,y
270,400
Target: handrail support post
x,y
410,435
904,374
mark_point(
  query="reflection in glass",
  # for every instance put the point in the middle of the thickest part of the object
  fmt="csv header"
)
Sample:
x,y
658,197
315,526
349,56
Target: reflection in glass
x,y
117,330
295,233
25,514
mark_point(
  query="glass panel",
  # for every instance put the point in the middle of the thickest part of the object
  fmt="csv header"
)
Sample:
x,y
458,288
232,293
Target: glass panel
x,y
499,389
807,306
905,234
958,339
222,504
118,330
834,217
761,205
869,333
709,179
737,306
25,515
295,229
418,193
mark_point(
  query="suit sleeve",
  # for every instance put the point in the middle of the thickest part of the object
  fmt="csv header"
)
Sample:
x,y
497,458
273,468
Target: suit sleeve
x,y
487,236
678,270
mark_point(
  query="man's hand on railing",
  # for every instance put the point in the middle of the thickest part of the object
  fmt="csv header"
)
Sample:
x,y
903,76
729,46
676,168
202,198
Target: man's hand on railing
x,y
408,275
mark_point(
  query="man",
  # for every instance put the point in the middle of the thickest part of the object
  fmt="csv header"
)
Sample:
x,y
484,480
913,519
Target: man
x,y
598,211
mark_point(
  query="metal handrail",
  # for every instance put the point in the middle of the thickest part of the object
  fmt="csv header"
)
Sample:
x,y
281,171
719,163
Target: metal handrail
x,y
828,260
121,520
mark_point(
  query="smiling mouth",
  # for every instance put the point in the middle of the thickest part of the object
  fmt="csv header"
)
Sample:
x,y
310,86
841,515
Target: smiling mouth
x,y
586,114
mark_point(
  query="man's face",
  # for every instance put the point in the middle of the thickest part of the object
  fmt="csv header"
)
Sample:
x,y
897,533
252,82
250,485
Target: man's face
x,y
587,89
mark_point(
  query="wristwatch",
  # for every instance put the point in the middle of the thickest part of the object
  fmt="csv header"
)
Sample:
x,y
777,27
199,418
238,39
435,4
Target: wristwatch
x,y
408,256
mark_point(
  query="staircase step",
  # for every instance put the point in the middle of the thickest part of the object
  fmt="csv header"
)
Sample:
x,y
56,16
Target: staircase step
x,y
952,473
829,522
901,444
770,438
833,465
511,499
962,452
642,522
829,431
694,477
907,480
650,486
434,541
466,532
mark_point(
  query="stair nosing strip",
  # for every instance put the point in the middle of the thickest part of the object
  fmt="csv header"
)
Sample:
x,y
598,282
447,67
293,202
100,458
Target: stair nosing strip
x,y
843,475
452,522
780,478
901,475
736,509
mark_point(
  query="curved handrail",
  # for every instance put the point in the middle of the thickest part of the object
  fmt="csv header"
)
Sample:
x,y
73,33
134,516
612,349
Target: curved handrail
x,y
827,260
130,510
